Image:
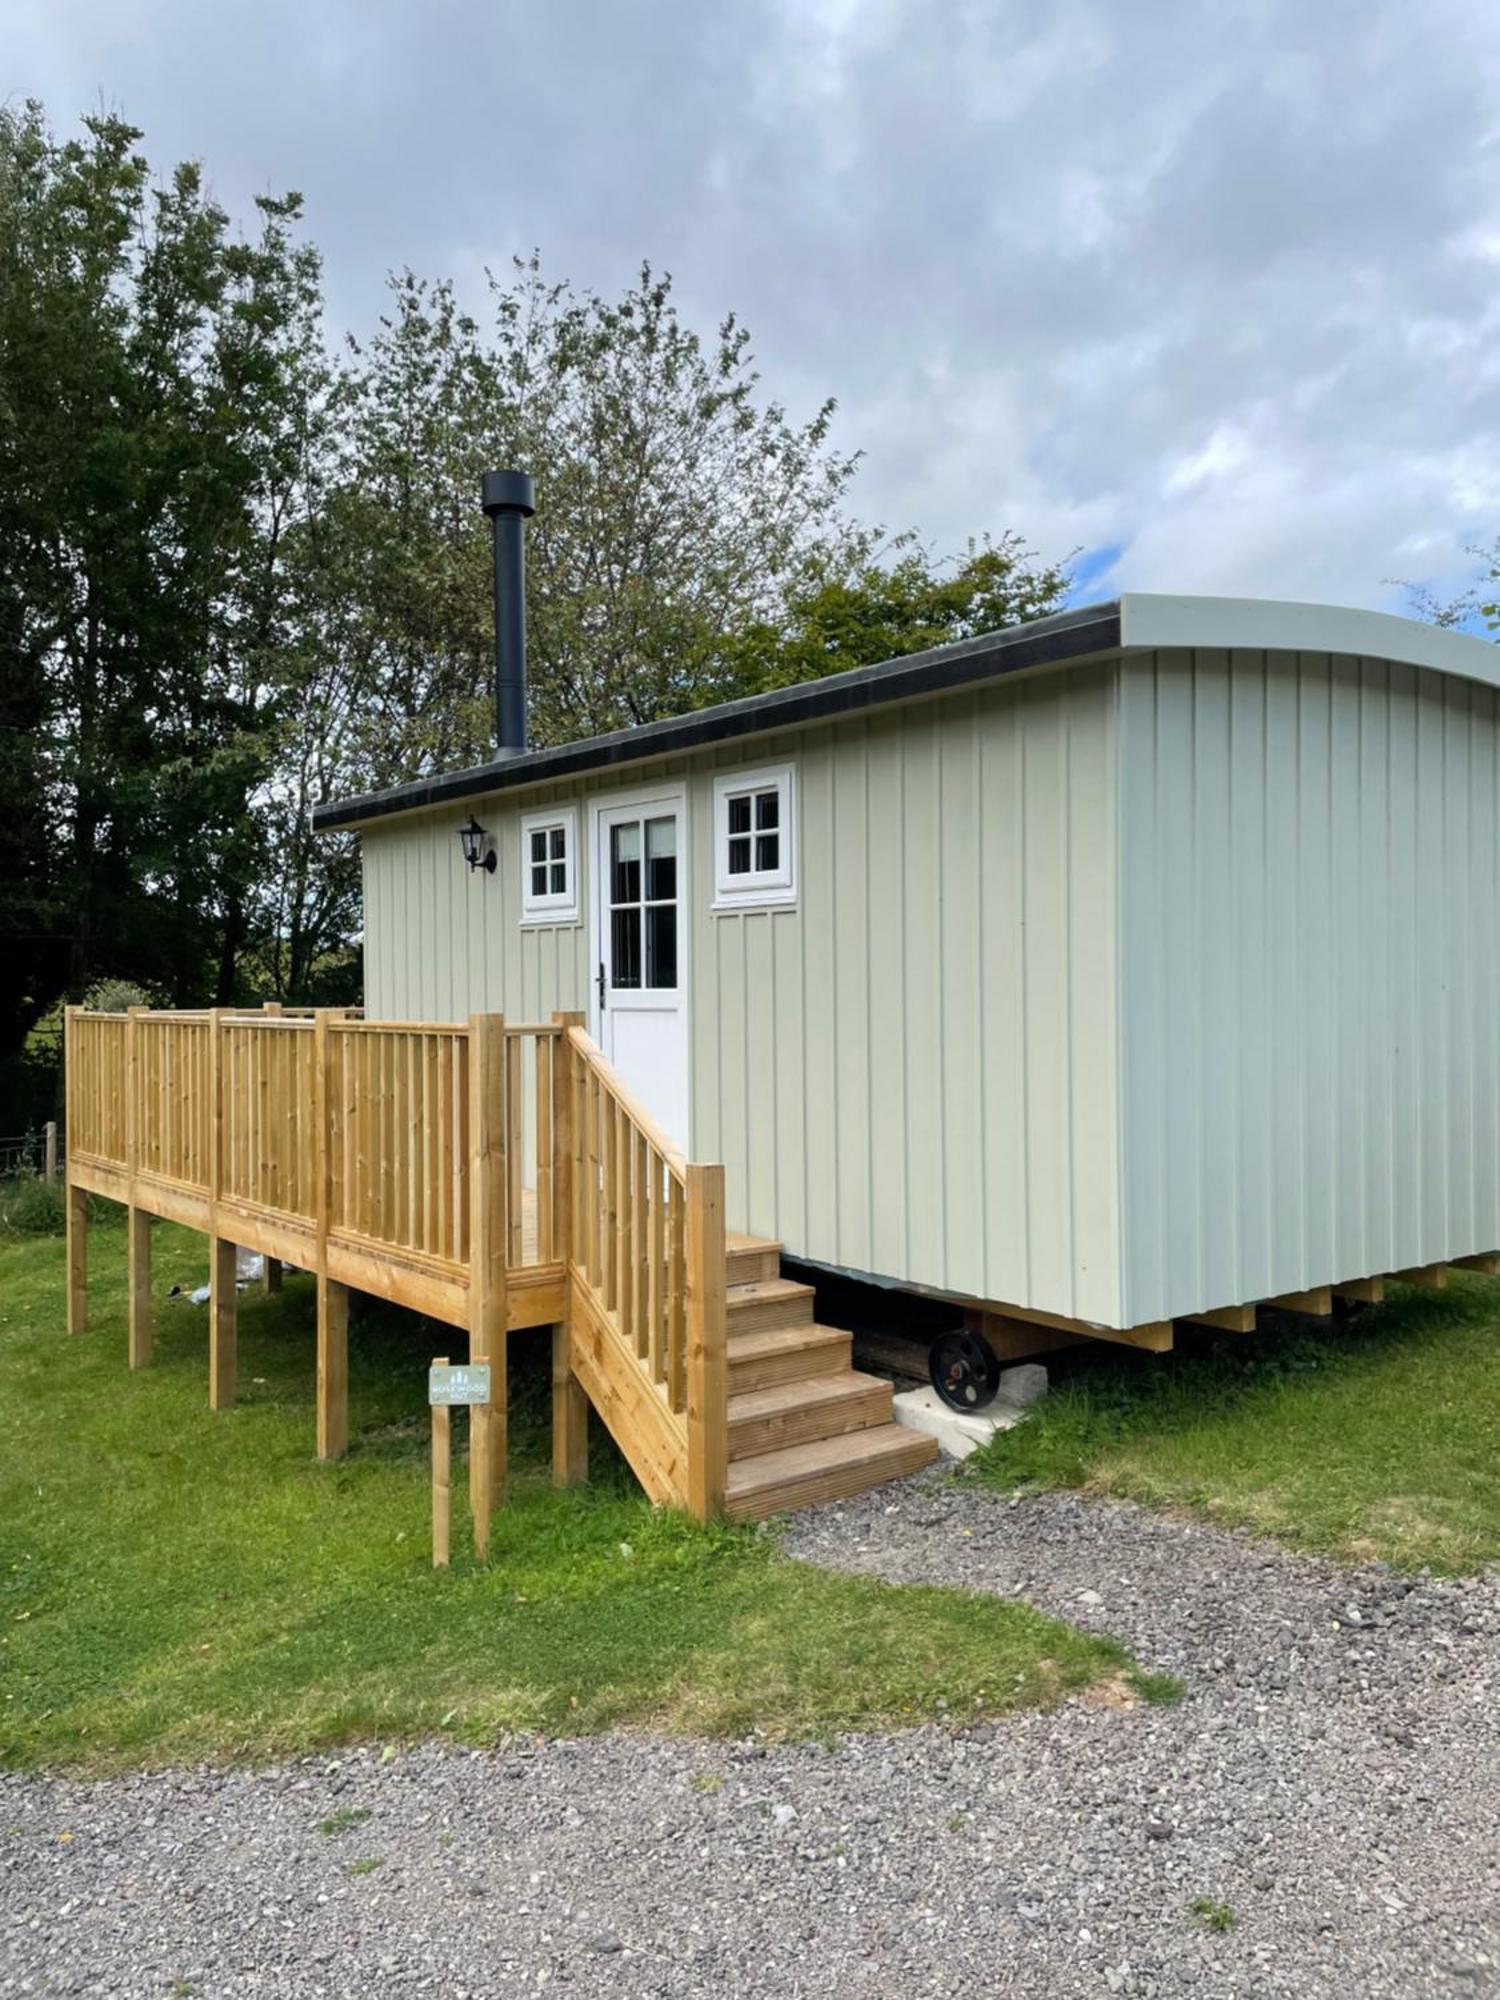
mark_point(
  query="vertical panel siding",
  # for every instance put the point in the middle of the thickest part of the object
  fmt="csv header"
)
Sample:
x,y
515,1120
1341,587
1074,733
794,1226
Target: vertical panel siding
x,y
443,941
937,1013
912,1072
1308,923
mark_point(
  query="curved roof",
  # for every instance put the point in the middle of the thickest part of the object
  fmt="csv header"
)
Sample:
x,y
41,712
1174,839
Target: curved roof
x,y
1150,621
1139,621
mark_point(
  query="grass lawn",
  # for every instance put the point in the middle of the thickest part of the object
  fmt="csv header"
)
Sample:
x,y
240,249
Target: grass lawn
x,y
1376,1438
176,1585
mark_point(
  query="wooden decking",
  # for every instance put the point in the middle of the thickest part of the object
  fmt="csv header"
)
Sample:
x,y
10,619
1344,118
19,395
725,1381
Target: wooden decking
x,y
493,1176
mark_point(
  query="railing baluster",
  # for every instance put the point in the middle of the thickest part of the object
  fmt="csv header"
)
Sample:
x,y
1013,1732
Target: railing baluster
x,y
639,1253
656,1267
432,1229
546,1072
413,1141
443,1178
676,1296
515,1126
610,1165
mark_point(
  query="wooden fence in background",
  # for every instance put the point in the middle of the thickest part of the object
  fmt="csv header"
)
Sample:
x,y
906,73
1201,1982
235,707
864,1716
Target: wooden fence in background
x,y
489,1174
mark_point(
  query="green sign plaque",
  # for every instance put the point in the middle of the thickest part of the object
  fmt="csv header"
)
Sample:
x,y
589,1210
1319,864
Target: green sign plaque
x,y
468,1384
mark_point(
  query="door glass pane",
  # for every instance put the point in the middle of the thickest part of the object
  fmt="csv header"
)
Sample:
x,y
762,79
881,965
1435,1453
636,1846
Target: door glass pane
x,y
739,855
625,858
739,813
766,809
559,878
539,880
661,944
661,861
767,851
558,842
538,844
625,948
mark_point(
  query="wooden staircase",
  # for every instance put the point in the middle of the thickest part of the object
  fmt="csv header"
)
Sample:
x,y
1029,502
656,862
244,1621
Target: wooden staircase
x,y
804,1425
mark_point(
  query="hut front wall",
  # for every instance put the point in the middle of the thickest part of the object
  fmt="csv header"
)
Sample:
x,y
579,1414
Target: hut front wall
x,y
1310,947
443,941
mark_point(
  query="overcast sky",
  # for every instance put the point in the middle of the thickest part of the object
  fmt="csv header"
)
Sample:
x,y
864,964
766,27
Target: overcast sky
x,y
1206,289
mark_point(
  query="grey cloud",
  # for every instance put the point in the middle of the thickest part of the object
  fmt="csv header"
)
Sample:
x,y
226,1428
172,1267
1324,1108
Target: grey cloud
x,y
1215,283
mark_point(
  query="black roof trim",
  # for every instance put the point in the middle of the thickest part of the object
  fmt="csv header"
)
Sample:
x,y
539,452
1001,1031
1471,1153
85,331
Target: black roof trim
x,y
1046,642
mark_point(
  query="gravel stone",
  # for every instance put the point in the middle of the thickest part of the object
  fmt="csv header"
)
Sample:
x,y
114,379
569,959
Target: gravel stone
x,y
1336,1784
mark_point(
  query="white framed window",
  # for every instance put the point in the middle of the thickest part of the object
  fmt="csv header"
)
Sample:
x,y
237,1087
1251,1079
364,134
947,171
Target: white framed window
x,y
755,839
549,866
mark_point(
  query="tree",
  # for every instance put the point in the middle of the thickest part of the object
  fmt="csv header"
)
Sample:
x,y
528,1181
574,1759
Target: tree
x,y
673,505
884,610
1480,601
159,384
239,575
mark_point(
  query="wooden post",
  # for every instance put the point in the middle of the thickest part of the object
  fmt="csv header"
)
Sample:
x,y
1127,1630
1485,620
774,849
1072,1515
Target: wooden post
x,y
488,1233
333,1300
442,1496
707,1344
333,1367
223,1323
78,1259
223,1300
137,1220
270,1279
138,1264
570,1414
76,1201
49,1154
570,1406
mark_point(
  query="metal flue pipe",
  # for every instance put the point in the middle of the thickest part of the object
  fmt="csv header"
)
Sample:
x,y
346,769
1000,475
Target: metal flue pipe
x,y
509,501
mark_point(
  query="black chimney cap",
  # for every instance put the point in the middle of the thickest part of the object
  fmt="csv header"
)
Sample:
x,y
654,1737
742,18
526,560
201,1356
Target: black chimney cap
x,y
508,493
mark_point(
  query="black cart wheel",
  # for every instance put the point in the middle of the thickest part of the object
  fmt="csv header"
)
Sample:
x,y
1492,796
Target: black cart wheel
x,y
965,1369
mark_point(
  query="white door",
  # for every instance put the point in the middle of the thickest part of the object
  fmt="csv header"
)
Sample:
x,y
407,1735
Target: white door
x,y
641,945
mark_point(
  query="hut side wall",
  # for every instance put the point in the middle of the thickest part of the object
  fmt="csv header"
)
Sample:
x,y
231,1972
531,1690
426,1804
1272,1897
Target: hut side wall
x,y
1309,1028
912,1072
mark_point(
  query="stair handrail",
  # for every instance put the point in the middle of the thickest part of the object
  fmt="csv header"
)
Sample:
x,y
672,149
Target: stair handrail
x,y
646,1254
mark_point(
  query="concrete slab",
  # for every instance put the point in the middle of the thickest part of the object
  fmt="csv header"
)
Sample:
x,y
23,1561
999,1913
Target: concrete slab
x,y
957,1432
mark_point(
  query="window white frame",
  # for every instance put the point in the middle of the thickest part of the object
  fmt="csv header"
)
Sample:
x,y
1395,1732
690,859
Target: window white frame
x,y
756,888
554,906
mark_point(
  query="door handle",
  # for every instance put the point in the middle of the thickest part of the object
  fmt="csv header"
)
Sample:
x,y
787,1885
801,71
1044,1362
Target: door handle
x,y
601,986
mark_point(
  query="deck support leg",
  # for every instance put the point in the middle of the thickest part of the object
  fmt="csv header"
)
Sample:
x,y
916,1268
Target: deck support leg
x,y
223,1323
570,1416
138,1260
333,1368
78,1259
270,1281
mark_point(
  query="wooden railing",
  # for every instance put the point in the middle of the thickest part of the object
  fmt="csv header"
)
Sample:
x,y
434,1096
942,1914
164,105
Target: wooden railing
x,y
490,1174
413,1160
227,1106
646,1277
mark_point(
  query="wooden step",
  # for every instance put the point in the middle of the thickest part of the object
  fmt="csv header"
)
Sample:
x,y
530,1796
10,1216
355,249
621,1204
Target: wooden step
x,y
784,1354
751,1258
769,1302
833,1469
801,1412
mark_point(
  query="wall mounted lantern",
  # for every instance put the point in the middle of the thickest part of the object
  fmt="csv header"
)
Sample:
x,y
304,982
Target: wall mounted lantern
x,y
475,842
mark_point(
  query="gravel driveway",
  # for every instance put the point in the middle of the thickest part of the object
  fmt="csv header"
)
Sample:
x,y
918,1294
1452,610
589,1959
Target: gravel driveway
x,y
1333,1776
